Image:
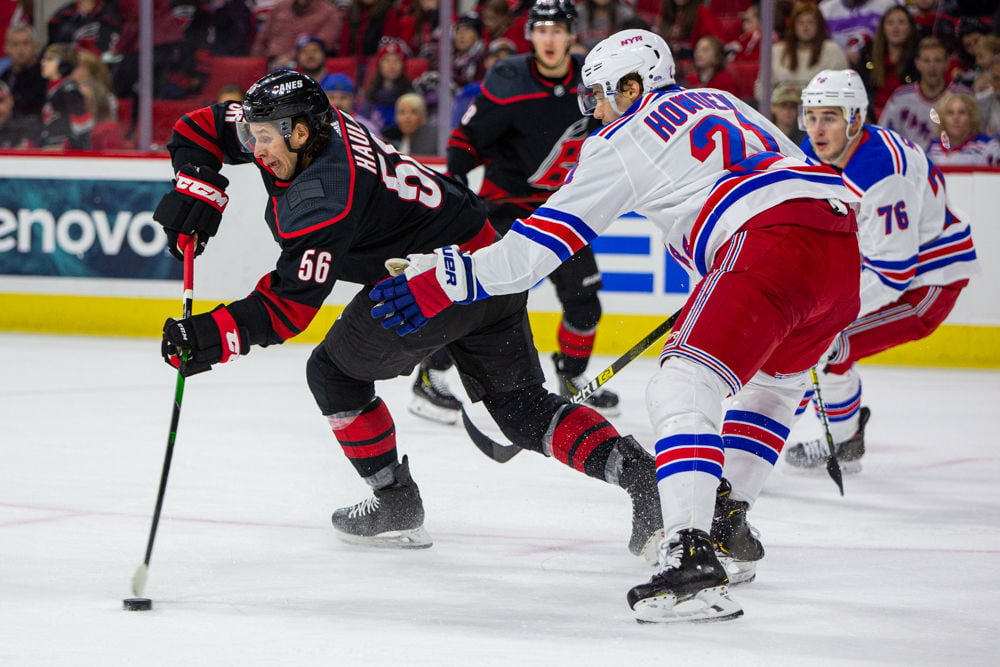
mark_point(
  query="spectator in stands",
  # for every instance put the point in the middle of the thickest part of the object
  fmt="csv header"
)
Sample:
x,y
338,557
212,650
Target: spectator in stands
x,y
962,66
500,21
989,103
805,50
366,22
908,110
13,12
387,84
169,54
468,50
12,132
746,47
24,77
411,133
91,68
107,133
933,22
66,122
419,28
709,70
598,19
290,19
231,93
223,27
310,57
341,92
339,89
86,24
499,49
853,23
961,141
682,23
987,48
785,111
889,60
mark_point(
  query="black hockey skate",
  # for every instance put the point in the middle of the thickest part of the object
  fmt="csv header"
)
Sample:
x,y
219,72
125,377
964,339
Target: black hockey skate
x,y
735,540
432,399
604,401
690,586
812,455
638,477
393,517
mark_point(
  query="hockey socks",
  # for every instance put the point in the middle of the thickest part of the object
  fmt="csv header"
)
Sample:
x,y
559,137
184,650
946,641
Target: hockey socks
x,y
368,437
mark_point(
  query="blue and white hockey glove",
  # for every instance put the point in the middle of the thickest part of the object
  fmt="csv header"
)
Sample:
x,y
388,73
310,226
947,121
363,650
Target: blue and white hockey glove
x,y
429,284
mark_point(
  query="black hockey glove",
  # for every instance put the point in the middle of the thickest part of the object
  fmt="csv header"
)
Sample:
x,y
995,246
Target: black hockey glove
x,y
209,338
194,206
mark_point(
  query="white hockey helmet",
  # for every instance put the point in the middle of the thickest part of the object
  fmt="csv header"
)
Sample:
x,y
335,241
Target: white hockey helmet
x,y
625,52
837,88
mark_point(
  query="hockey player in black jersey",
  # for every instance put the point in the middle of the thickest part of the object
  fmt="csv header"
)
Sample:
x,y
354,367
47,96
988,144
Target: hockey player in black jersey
x,y
340,203
526,127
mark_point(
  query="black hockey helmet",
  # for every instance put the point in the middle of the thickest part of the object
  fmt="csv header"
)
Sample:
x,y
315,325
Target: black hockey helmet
x,y
281,98
552,11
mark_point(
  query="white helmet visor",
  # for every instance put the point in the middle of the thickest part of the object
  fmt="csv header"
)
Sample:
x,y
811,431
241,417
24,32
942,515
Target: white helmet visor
x,y
588,97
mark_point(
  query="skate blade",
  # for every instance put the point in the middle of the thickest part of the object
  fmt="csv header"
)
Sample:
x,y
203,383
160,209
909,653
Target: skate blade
x,y
434,413
739,571
414,538
706,606
650,551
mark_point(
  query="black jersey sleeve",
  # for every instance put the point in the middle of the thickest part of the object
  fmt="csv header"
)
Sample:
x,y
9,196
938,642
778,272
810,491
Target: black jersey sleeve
x,y
207,136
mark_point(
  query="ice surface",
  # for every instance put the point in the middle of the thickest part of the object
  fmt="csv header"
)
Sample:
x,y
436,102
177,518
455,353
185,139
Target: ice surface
x,y
529,565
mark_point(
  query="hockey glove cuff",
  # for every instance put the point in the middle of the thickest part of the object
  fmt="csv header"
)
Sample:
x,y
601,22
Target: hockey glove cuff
x,y
194,344
430,283
194,206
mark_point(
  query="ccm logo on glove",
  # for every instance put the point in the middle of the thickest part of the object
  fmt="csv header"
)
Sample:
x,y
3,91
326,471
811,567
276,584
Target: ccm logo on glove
x,y
203,191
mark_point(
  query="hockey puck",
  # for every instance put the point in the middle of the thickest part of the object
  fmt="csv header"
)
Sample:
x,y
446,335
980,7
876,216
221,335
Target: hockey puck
x,y
137,604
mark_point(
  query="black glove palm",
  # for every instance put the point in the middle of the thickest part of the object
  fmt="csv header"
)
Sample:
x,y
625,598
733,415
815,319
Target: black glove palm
x,y
193,344
194,206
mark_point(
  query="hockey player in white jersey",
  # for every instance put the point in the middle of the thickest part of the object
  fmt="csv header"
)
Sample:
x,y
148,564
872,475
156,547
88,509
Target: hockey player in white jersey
x,y
917,251
770,237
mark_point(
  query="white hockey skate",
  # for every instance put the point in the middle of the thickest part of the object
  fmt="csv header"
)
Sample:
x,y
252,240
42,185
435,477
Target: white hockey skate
x,y
432,398
689,588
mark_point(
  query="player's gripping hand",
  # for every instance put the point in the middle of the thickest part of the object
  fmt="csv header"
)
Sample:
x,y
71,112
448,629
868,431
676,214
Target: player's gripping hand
x,y
193,344
194,206
427,286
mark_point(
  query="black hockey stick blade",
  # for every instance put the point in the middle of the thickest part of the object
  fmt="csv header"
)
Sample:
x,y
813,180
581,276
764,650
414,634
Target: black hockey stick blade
x,y
832,464
621,362
487,445
833,467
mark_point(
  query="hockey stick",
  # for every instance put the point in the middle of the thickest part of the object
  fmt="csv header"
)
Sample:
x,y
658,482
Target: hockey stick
x,y
502,453
621,362
832,464
142,572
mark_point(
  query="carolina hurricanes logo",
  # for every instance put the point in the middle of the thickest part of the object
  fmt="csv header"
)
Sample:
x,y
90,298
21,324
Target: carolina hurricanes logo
x,y
681,259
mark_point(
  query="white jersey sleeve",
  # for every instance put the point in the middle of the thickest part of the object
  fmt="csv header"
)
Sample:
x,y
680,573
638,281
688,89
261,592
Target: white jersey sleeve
x,y
696,163
596,192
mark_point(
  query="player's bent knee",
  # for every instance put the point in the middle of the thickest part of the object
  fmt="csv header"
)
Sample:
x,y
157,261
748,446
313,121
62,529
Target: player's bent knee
x,y
685,396
582,312
333,391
